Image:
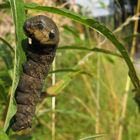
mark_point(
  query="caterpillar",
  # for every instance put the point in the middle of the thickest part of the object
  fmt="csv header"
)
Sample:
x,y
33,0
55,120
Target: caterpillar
x,y
40,53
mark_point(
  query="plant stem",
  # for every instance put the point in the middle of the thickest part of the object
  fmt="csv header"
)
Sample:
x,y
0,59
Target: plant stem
x,y
98,94
53,104
128,82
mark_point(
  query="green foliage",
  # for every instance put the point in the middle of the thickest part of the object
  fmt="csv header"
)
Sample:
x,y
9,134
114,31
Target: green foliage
x,y
17,8
3,136
80,74
91,23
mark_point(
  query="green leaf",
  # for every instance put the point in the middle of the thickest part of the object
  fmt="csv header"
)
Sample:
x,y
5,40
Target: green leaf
x,y
5,5
99,27
7,44
17,7
60,85
65,70
3,135
7,57
90,50
93,137
5,83
71,30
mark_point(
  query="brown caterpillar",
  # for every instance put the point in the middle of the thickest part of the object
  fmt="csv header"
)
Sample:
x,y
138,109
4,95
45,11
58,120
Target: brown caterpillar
x,y
40,54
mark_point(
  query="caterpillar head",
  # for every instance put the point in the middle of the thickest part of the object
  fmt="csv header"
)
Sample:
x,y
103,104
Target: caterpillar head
x,y
42,29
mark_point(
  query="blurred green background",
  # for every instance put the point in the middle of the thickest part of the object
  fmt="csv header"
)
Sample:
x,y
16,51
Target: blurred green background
x,y
97,102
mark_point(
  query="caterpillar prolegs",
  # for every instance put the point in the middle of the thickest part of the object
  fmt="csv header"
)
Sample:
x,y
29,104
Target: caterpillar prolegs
x,y
44,36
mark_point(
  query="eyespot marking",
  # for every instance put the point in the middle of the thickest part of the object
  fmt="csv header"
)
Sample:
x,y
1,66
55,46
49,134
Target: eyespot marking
x,y
52,34
40,26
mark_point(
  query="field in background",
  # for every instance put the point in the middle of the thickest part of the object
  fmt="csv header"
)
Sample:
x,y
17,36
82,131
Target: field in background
x,y
96,101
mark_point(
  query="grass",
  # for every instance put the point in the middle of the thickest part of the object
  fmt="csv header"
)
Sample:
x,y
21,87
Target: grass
x,y
90,105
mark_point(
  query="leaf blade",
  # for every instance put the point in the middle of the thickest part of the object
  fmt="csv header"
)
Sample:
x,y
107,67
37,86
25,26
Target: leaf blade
x,y
19,17
99,27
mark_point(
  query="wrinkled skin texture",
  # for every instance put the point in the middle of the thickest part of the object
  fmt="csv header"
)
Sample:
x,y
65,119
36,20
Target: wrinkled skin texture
x,y
40,54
